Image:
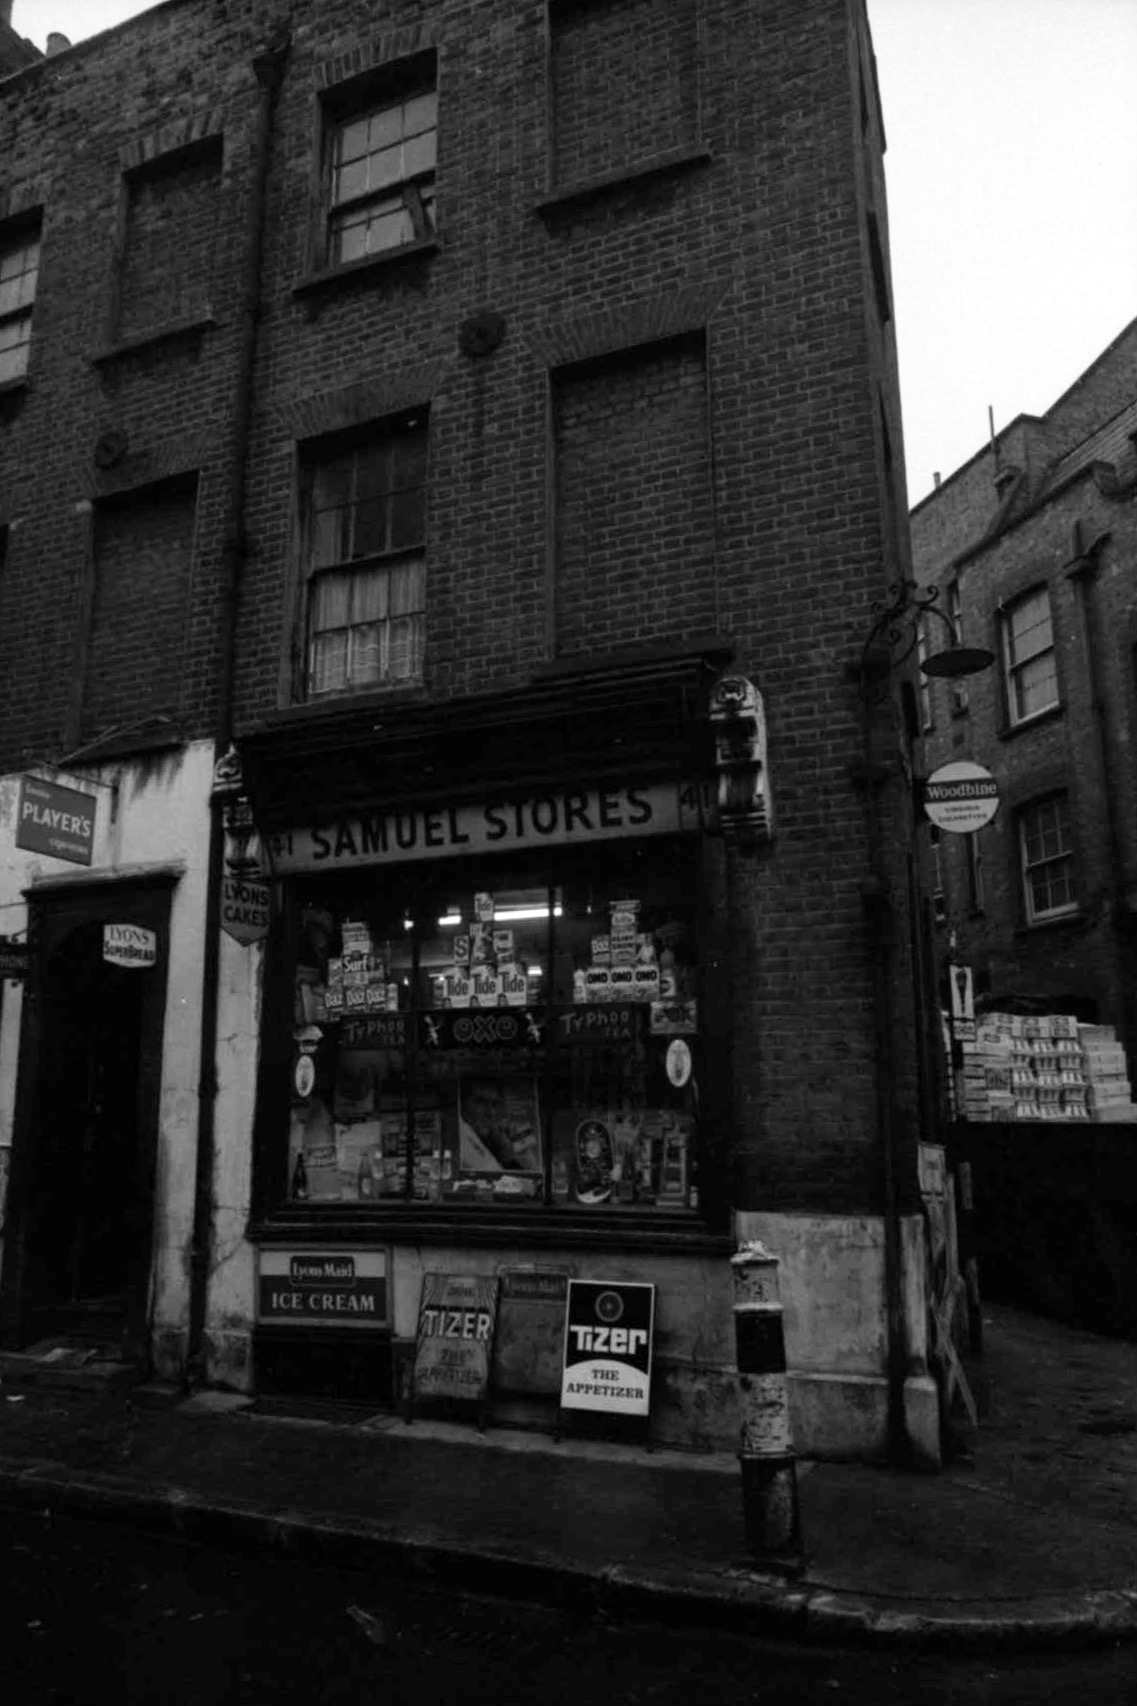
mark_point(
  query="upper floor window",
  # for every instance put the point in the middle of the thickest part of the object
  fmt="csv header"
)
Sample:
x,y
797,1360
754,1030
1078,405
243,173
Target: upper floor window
x,y
19,270
365,560
1047,854
381,174
1028,656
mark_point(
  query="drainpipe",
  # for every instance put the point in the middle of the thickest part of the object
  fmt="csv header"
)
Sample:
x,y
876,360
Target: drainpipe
x,y
878,899
268,68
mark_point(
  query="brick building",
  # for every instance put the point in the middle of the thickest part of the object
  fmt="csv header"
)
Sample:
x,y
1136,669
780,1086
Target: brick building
x,y
415,415
1032,544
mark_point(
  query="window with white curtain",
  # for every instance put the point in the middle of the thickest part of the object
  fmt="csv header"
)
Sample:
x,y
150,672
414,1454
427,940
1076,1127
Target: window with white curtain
x,y
366,560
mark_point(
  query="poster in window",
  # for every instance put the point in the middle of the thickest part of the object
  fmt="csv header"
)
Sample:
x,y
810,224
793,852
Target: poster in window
x,y
499,1125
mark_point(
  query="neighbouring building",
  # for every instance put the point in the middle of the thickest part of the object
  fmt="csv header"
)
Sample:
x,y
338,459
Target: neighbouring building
x,y
1032,544
449,457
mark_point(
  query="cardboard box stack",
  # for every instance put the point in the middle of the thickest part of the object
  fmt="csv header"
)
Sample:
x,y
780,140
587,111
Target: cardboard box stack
x,y
1041,1067
1107,1089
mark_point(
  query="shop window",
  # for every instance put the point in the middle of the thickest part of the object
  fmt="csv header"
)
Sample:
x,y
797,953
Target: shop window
x,y
19,271
497,1036
1047,853
365,539
381,154
1029,667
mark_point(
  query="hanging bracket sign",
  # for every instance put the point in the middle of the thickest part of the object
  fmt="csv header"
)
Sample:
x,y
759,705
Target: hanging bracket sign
x,y
55,820
129,945
961,797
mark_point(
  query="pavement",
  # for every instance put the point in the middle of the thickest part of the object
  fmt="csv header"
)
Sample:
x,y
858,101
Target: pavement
x,y
1026,1540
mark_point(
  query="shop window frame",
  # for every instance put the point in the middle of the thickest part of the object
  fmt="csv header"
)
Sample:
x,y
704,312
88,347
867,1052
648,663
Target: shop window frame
x,y
544,1222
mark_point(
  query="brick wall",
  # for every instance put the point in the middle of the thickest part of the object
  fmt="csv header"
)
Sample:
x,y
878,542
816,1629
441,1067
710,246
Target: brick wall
x,y
623,75
169,244
633,501
142,561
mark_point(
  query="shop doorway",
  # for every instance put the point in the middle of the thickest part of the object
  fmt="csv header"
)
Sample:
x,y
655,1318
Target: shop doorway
x,y
87,1119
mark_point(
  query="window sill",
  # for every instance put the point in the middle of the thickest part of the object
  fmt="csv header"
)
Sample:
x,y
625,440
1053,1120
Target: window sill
x,y
1052,712
14,387
1060,921
680,1230
170,333
657,165
330,705
352,272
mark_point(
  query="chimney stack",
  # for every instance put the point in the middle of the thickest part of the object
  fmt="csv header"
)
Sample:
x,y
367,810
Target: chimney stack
x,y
56,43
6,12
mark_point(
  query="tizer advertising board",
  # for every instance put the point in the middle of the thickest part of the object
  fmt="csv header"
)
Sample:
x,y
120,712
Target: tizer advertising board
x,y
608,1347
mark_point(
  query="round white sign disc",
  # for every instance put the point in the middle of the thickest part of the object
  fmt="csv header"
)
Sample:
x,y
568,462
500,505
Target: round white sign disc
x,y
961,797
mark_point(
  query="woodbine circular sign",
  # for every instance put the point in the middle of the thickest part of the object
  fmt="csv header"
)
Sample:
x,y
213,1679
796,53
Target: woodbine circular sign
x,y
961,797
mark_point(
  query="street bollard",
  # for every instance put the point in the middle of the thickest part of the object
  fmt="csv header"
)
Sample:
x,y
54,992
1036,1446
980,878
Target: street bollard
x,y
769,1471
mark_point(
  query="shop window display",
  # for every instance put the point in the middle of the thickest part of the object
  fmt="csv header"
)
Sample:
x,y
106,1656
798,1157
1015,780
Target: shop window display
x,y
514,1042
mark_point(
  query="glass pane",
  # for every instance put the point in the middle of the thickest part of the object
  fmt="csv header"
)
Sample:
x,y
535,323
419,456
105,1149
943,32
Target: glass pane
x,y
350,1132
365,654
421,113
328,662
386,167
371,521
408,588
349,239
351,142
350,181
1036,685
389,230
370,601
410,457
405,642
17,291
13,362
408,518
373,469
385,128
331,602
418,154
1029,626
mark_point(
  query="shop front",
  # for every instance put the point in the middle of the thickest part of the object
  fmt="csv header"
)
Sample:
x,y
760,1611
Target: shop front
x,y
492,1041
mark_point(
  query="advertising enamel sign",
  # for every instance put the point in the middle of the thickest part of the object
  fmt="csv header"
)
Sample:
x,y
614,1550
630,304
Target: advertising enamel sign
x,y
342,1288
608,1347
961,797
129,945
54,820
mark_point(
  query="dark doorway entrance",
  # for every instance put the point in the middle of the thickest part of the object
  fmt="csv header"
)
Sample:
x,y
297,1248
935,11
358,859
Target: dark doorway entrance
x,y
87,1125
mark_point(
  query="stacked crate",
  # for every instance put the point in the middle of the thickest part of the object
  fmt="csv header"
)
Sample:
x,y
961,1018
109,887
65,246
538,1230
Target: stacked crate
x,y
1108,1093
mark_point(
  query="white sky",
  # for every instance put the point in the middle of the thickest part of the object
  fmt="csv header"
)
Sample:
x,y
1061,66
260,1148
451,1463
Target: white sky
x,y
1012,187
